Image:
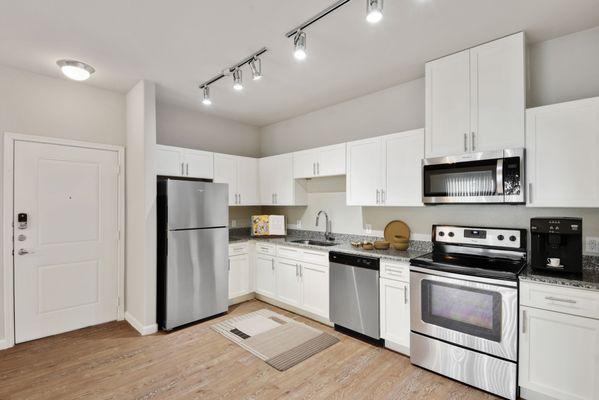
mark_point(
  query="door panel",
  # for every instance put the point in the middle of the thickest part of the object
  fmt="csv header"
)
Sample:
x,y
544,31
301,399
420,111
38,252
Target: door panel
x,y
363,172
247,181
288,282
265,275
68,278
331,160
197,204
196,275
304,164
315,289
225,171
402,158
395,312
239,275
199,164
168,161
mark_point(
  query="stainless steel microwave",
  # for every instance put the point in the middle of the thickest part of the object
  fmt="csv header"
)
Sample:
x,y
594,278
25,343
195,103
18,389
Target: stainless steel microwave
x,y
485,177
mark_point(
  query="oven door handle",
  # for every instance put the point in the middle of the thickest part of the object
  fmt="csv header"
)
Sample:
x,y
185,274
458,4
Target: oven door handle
x,y
499,176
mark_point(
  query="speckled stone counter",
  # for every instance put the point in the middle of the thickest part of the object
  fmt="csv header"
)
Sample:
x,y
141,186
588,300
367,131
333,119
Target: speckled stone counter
x,y
588,280
417,248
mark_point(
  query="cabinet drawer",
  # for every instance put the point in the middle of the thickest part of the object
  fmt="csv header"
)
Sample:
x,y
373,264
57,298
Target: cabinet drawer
x,y
315,257
238,248
562,299
289,252
265,248
398,271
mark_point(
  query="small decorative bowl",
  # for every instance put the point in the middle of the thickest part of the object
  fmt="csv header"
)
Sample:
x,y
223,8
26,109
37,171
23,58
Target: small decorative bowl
x,y
400,246
381,245
367,245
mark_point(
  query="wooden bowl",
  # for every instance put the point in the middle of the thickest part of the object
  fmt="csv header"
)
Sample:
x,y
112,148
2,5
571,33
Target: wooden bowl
x,y
381,245
400,246
400,239
367,245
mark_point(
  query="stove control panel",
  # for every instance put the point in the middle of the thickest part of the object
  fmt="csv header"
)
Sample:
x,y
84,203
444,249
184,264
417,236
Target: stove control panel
x,y
511,238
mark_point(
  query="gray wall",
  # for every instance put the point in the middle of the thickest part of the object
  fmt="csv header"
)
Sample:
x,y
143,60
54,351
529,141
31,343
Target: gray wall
x,y
177,126
39,105
561,69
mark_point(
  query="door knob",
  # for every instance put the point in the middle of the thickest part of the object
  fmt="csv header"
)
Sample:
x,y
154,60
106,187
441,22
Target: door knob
x,y
22,252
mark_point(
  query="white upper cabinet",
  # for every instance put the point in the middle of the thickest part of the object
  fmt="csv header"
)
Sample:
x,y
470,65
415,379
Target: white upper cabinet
x,y
323,161
177,161
363,180
448,105
402,163
386,170
475,99
241,173
277,185
562,163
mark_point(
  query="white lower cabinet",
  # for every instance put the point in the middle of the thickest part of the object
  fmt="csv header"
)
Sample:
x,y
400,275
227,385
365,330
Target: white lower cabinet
x,y
288,281
315,288
265,275
239,275
559,352
395,314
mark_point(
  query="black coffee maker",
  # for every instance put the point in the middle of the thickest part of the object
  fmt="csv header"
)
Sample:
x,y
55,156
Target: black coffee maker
x,y
556,244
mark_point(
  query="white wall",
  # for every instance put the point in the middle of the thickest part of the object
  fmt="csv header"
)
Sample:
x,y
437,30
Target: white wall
x,y
177,126
560,69
39,105
140,273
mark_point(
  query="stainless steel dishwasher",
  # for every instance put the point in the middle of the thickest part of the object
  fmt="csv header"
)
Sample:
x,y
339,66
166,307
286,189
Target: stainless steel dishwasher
x,y
354,293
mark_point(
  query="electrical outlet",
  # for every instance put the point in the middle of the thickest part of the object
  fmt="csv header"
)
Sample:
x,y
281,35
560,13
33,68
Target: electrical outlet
x,y
368,229
592,244
298,224
234,223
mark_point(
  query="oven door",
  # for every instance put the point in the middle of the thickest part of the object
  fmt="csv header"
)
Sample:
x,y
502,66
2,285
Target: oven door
x,y
480,314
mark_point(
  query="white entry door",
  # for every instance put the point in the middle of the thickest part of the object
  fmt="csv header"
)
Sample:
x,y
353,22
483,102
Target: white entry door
x,y
66,254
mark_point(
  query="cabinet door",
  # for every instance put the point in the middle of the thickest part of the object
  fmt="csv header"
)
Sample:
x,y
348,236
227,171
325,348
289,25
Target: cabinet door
x,y
497,97
304,164
448,105
559,354
395,313
402,163
225,171
267,179
363,181
331,160
168,161
288,281
199,164
284,182
247,181
315,289
562,163
265,275
239,276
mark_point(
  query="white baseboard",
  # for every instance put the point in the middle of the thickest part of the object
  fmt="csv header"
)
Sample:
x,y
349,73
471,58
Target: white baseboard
x,y
242,298
397,347
5,344
139,327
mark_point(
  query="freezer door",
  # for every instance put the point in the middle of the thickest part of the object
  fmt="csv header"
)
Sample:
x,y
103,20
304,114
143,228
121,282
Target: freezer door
x,y
196,204
197,277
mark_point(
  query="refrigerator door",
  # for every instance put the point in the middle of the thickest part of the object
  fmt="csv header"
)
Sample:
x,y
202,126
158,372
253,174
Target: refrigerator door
x,y
196,204
197,275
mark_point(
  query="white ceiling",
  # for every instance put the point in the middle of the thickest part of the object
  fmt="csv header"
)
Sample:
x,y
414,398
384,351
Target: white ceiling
x,y
180,43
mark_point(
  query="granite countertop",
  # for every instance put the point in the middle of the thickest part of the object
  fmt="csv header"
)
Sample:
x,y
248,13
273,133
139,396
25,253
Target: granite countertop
x,y
588,280
416,248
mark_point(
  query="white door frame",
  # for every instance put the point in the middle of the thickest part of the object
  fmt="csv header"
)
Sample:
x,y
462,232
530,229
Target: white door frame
x,y
7,213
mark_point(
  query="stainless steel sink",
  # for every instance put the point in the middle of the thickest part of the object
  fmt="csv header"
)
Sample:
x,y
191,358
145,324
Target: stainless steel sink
x,y
315,242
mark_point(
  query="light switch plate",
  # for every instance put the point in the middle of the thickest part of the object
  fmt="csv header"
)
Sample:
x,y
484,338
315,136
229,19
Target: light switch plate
x,y
592,244
298,224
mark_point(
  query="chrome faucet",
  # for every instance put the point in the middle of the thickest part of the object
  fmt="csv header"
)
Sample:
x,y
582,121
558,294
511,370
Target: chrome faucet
x,y
327,229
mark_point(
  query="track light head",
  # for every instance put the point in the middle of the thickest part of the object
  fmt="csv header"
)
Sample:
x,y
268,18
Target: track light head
x,y
237,79
206,98
256,66
299,44
374,11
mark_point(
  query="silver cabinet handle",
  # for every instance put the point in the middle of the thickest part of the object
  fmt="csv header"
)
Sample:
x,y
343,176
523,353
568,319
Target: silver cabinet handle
x,y
273,263
383,197
405,295
187,169
273,198
472,135
22,252
239,198
229,267
276,198
301,271
182,168
465,142
530,192
523,321
378,197
296,270
317,168
313,168
569,301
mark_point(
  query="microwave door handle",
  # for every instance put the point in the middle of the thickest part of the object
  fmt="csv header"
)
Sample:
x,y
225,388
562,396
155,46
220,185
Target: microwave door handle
x,y
499,176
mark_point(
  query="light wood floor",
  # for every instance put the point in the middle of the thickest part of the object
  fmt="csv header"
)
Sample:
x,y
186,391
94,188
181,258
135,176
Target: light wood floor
x,y
112,361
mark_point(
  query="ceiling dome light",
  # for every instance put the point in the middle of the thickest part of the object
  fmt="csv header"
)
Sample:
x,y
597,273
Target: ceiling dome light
x,y
256,66
206,100
237,82
75,70
299,43
374,10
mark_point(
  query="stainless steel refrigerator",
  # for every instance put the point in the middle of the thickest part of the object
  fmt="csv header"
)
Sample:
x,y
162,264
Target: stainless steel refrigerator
x,y
193,240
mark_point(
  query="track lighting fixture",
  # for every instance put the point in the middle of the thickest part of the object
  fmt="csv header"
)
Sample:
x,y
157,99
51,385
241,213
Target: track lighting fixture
x,y
374,11
206,100
237,79
256,67
299,44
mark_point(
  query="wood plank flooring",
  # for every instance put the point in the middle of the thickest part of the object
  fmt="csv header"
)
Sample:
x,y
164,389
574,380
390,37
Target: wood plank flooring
x,y
111,361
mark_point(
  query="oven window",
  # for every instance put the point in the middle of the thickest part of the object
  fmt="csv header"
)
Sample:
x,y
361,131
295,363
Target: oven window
x,y
468,310
464,179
